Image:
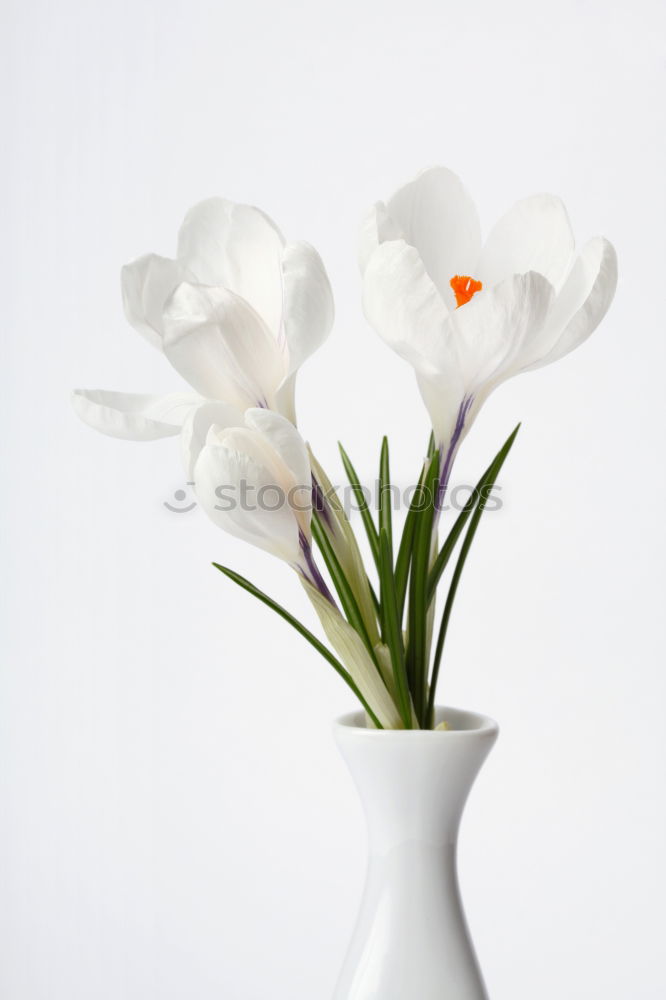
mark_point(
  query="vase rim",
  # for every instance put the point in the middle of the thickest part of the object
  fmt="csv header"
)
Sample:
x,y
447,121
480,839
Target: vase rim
x,y
463,723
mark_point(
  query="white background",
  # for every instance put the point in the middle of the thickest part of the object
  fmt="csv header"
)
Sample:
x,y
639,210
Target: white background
x,y
175,822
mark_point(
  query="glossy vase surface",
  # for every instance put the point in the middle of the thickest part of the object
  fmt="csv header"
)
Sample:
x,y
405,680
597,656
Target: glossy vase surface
x,y
411,940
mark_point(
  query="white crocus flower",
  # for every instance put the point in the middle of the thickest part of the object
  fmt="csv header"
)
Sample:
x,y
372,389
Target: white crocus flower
x,y
236,313
469,315
251,474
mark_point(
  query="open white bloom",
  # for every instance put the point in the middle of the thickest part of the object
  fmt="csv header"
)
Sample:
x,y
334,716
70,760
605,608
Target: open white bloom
x,y
469,315
236,313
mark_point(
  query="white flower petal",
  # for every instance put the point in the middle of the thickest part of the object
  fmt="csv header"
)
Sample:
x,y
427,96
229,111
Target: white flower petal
x,y
247,441
297,493
377,227
134,416
404,306
443,395
582,303
238,247
489,332
534,235
482,340
235,492
198,423
286,441
308,302
435,214
285,398
221,346
147,283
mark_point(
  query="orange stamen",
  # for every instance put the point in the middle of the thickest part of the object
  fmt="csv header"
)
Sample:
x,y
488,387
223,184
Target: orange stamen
x,y
464,288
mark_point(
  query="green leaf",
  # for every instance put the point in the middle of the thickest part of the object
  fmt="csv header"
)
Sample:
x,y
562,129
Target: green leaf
x,y
366,514
340,581
392,628
407,540
418,582
403,560
385,499
485,483
312,639
481,498
362,668
343,541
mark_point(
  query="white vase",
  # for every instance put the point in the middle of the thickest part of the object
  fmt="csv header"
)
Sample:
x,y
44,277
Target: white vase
x,y
411,940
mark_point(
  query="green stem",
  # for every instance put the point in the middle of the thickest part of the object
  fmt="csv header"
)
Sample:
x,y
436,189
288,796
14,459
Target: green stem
x,y
392,630
342,586
478,499
485,483
417,610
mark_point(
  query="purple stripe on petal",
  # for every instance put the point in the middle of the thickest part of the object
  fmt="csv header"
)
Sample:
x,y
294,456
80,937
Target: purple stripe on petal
x,y
450,453
313,575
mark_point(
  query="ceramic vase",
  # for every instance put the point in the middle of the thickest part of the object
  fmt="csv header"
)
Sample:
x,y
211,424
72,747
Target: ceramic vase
x,y
411,940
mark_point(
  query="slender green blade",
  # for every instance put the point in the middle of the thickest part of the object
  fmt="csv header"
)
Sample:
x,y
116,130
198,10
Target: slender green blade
x,y
385,498
364,509
481,498
392,628
418,584
375,601
342,585
312,639
407,540
447,548
404,559
485,483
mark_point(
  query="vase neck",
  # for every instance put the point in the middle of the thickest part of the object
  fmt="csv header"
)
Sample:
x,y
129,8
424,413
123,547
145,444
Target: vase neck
x,y
414,785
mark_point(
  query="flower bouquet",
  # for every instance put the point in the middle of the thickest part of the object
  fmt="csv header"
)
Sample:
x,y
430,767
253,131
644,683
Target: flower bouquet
x,y
236,313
